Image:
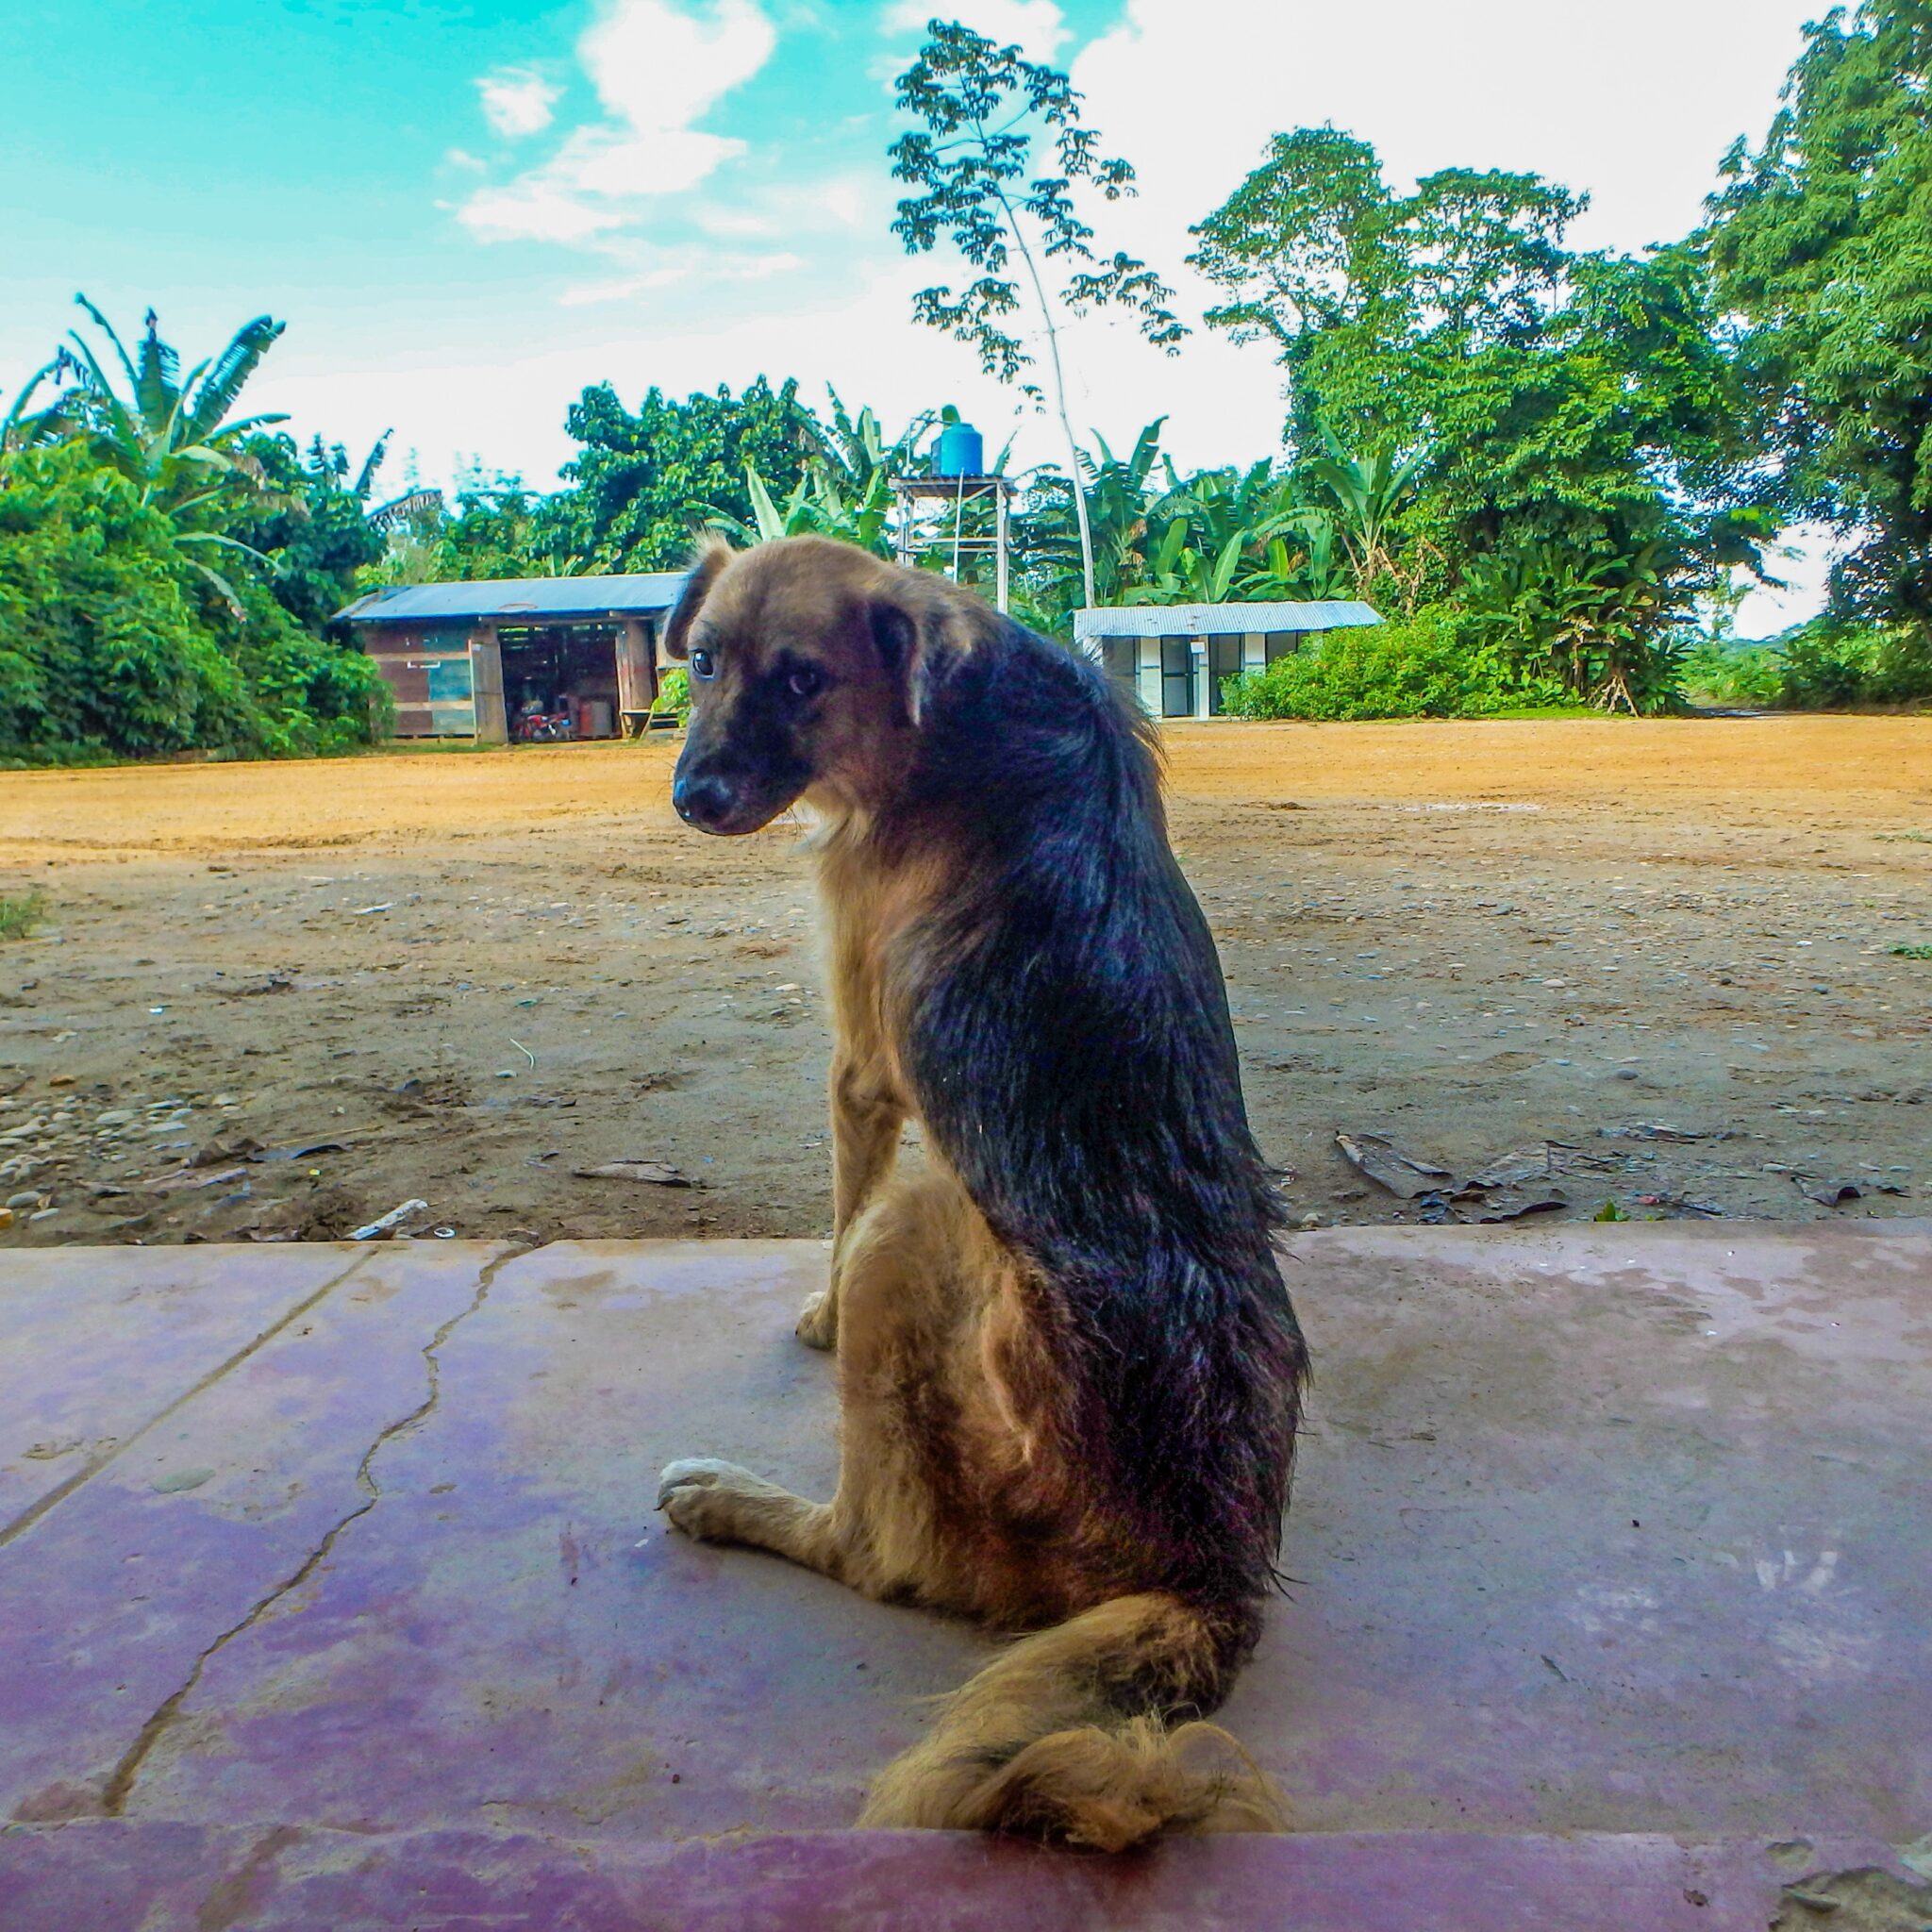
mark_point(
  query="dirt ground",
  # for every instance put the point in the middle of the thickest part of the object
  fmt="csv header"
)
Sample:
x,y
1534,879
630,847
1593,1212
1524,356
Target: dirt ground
x,y
1655,961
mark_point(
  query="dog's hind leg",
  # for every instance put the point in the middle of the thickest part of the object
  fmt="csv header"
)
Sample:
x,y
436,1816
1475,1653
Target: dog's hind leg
x,y
906,1307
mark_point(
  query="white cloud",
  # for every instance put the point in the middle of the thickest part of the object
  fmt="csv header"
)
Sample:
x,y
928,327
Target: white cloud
x,y
1037,25
658,68
708,266
517,101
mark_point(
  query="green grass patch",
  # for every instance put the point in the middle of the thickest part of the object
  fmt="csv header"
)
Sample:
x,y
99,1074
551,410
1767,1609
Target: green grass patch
x,y
1911,952
19,912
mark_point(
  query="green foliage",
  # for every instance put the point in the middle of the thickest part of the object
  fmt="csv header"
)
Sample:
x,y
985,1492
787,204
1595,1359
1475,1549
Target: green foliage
x,y
313,520
1828,664
673,692
19,912
1911,952
984,106
1820,666
1513,392
1821,241
981,183
1718,672
111,644
500,528
646,484
1432,666
1610,628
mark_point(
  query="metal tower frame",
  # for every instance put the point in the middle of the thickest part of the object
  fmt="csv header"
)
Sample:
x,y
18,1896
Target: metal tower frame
x,y
932,516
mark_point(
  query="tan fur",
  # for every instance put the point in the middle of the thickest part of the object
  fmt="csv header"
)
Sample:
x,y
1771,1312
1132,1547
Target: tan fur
x,y
952,1492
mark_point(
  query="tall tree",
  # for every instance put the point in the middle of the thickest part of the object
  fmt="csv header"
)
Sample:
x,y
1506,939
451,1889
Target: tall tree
x,y
645,483
985,109
1539,395
1821,241
1361,290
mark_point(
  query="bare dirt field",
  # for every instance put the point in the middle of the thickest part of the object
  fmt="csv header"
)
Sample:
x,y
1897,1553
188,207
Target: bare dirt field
x,y
1652,962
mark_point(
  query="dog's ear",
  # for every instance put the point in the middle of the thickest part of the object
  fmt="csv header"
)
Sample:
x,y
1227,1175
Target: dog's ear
x,y
923,628
705,569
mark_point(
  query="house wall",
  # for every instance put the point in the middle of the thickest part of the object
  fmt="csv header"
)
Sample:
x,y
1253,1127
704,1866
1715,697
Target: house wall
x,y
431,674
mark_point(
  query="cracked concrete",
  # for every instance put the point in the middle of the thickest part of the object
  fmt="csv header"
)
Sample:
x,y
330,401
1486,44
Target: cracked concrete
x,y
121,1781
1611,1547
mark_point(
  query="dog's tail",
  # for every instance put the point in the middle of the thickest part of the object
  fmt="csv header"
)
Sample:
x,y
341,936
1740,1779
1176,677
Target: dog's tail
x,y
1067,1737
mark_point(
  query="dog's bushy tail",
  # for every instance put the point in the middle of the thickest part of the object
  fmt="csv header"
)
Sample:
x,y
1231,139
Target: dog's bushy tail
x,y
1066,1738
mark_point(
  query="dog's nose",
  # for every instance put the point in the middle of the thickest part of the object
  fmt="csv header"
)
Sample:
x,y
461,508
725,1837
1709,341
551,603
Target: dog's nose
x,y
703,801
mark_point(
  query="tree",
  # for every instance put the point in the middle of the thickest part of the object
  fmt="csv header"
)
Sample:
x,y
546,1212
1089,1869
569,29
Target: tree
x,y
644,485
111,644
1504,394
1358,289
169,435
312,522
1821,243
983,107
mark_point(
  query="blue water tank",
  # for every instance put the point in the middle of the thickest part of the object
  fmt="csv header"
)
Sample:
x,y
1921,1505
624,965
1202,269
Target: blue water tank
x,y
961,453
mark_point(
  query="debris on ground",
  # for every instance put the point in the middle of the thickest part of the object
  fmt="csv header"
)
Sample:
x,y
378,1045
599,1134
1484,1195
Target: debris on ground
x,y
1387,1166
658,1174
1507,1189
386,1224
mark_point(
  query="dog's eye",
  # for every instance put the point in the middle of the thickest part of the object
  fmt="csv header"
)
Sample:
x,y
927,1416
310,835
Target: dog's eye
x,y
702,664
805,682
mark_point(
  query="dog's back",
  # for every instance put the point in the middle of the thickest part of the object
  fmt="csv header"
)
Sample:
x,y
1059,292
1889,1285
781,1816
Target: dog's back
x,y
1068,1043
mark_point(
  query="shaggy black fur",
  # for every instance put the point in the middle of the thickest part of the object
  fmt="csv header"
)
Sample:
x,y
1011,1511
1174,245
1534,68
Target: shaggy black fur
x,y
1071,1049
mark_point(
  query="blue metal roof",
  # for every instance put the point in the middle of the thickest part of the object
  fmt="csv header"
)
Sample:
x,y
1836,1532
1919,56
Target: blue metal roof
x,y
1217,620
520,600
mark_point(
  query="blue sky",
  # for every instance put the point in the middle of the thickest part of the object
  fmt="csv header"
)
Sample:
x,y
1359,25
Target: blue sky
x,y
466,209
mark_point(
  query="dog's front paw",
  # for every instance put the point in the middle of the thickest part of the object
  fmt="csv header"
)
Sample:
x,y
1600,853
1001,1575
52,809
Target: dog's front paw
x,y
696,1493
818,1320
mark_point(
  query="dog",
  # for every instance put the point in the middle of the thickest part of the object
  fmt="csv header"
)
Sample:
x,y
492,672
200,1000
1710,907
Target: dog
x,y
1069,1373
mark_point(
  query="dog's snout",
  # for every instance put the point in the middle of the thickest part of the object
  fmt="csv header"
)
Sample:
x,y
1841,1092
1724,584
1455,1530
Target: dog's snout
x,y
704,799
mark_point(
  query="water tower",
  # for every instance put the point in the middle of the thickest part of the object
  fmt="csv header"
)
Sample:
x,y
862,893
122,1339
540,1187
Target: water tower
x,y
959,512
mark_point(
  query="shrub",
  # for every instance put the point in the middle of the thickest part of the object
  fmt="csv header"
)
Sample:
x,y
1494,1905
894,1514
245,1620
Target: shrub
x,y
673,692
19,912
1722,674
112,644
1430,666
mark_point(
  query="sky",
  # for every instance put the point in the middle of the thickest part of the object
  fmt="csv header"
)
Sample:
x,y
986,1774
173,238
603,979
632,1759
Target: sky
x,y
466,211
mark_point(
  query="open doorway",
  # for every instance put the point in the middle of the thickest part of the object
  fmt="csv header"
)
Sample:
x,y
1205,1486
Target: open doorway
x,y
559,681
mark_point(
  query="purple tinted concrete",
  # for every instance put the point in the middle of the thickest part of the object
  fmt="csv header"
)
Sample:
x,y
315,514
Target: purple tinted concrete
x,y
1599,1531
287,1878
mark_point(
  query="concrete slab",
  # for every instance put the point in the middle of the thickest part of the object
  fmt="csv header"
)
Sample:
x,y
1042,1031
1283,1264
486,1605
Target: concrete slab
x,y
1611,1548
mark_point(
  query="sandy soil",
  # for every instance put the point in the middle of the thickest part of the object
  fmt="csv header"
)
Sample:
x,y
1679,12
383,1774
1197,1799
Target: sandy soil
x,y
278,1000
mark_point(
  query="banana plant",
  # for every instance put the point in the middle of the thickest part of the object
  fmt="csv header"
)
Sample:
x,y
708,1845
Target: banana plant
x,y
1180,573
170,435
24,426
1317,571
1367,492
818,505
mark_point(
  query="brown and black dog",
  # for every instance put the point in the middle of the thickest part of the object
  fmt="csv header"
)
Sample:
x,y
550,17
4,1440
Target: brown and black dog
x,y
1069,1375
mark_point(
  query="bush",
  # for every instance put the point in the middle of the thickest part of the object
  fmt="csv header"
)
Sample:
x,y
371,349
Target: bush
x,y
1820,666
113,644
1719,674
673,692
1430,666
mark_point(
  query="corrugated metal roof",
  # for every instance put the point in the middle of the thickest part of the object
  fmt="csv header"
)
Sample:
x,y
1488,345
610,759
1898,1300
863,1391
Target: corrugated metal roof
x,y
528,599
1217,620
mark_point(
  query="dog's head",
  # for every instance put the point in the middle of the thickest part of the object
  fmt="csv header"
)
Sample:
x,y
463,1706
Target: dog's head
x,y
812,667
